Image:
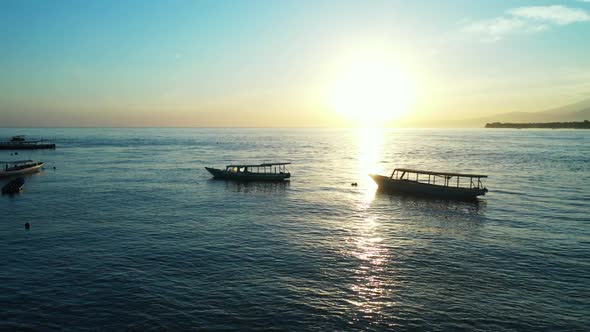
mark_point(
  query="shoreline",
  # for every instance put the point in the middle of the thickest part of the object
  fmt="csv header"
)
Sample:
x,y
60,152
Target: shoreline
x,y
541,125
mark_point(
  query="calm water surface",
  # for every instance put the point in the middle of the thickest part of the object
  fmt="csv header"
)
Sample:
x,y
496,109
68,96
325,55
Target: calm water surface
x,y
130,233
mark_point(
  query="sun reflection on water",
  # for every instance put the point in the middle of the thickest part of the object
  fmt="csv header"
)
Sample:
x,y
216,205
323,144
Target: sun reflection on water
x,y
370,151
371,278
371,284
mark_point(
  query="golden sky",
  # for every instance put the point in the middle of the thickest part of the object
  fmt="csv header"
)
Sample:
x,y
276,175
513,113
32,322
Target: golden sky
x,y
288,63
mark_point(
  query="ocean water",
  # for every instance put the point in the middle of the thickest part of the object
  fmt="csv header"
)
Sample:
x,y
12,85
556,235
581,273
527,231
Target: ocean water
x,y
130,233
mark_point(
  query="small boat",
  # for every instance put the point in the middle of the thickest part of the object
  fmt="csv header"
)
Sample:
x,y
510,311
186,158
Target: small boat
x,y
14,186
411,181
20,143
260,172
19,167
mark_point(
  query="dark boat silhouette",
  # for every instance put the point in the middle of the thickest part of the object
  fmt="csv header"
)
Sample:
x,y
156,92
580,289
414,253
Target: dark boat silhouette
x,y
14,186
259,172
20,143
409,181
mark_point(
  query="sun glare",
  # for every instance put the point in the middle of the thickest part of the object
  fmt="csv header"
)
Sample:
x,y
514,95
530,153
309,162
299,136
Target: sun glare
x,y
372,92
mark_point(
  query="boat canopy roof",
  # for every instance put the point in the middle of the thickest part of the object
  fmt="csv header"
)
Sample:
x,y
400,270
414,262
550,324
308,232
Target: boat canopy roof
x,y
16,162
259,165
439,173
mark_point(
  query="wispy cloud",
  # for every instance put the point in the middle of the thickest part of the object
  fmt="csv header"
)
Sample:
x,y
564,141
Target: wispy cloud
x,y
553,14
526,20
497,28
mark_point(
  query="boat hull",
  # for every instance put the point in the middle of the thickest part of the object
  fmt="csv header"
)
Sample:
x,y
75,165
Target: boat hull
x,y
28,170
14,186
26,146
387,184
247,176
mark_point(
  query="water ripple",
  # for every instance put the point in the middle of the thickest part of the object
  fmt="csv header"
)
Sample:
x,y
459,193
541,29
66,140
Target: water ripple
x,y
129,233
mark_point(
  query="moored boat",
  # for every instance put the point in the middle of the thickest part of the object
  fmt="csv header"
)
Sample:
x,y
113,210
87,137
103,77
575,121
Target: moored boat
x,y
19,167
258,172
416,182
20,143
14,186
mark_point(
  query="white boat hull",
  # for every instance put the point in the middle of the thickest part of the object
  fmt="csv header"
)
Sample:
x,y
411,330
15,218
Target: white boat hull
x,y
23,171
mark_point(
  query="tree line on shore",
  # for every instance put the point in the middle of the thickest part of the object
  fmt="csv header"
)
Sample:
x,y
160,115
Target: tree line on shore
x,y
551,125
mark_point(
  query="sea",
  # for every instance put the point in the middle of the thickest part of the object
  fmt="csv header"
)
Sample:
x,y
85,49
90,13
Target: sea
x,y
130,233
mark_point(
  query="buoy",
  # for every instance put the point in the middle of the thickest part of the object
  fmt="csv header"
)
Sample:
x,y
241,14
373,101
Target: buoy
x,y
53,167
354,184
16,153
27,225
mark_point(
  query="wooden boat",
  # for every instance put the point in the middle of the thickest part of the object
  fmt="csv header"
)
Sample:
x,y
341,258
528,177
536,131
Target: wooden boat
x,y
14,186
19,167
435,184
20,143
260,172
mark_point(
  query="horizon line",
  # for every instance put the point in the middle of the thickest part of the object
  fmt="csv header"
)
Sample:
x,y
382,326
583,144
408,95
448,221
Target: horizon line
x,y
237,127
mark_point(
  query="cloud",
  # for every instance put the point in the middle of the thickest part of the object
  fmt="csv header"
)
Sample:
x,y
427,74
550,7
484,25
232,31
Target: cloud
x,y
497,28
553,14
526,20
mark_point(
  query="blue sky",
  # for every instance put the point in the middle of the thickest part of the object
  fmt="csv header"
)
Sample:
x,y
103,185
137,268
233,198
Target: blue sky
x,y
270,63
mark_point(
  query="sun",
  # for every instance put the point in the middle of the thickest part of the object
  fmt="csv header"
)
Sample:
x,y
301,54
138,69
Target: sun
x,y
372,92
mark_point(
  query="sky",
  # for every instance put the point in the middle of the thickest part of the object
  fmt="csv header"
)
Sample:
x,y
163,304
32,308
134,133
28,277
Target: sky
x,y
287,63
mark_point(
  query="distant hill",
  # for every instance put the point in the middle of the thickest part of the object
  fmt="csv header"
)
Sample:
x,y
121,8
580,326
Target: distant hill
x,y
579,111
547,125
